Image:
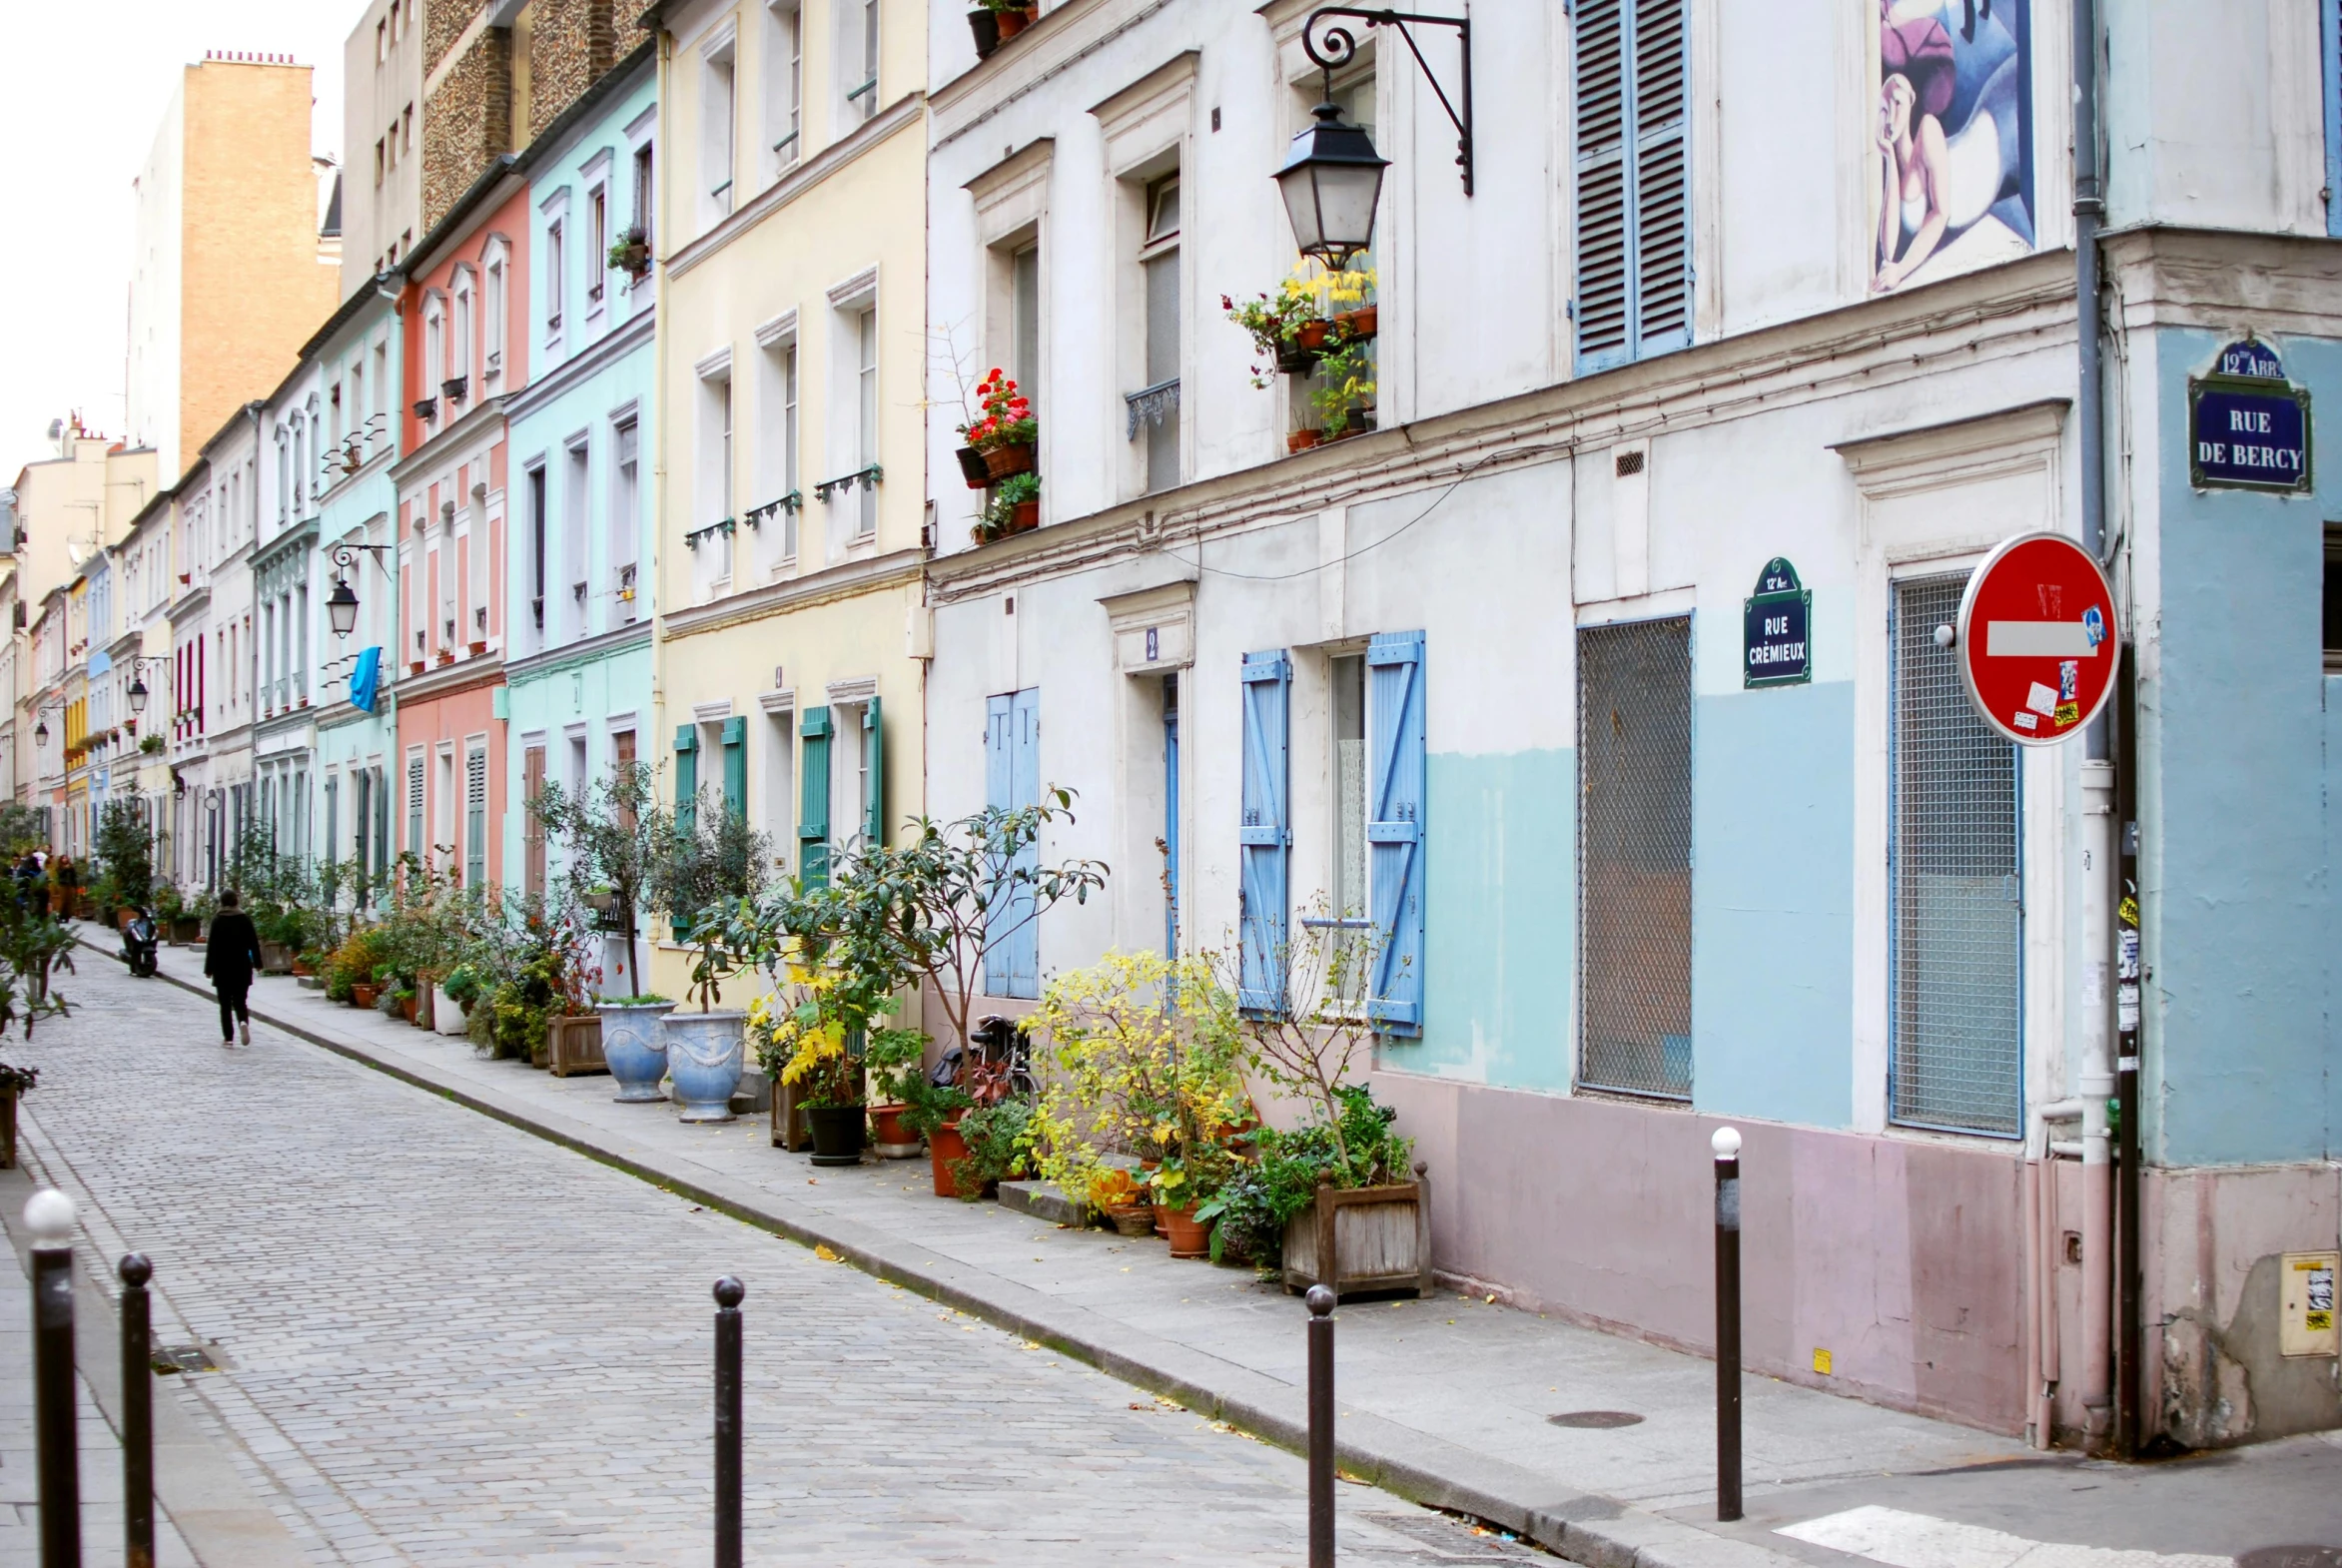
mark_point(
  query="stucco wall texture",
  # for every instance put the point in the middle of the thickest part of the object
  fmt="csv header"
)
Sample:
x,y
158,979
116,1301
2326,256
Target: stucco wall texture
x,y
253,284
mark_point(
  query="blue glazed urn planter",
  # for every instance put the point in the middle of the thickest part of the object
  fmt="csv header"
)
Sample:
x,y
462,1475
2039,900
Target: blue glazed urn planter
x,y
704,1052
634,1047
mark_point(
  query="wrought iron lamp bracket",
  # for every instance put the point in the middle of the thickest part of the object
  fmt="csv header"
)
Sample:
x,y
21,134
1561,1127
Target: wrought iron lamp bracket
x,y
1332,47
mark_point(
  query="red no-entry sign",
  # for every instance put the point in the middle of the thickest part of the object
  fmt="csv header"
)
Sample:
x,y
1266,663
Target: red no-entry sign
x,y
2037,641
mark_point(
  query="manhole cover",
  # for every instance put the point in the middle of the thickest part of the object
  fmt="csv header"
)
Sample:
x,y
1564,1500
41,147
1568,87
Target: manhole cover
x,y
2291,1557
182,1358
1597,1420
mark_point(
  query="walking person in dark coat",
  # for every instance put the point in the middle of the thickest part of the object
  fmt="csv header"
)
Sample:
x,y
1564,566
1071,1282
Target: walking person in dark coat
x,y
231,957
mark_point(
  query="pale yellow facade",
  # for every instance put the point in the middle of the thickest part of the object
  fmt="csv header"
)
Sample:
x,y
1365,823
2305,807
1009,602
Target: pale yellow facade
x,y
791,343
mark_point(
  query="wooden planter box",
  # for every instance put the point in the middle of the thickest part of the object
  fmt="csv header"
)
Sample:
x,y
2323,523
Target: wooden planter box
x,y
275,959
426,985
575,1045
1378,1238
186,928
7,1129
791,1131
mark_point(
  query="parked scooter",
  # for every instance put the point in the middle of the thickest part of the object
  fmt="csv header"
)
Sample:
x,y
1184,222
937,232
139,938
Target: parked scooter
x,y
138,943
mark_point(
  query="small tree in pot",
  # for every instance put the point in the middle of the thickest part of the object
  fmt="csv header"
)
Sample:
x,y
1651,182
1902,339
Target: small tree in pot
x,y
707,882
617,835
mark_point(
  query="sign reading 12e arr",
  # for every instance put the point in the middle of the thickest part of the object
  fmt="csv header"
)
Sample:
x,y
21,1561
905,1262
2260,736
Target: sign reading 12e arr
x,y
2247,426
1774,623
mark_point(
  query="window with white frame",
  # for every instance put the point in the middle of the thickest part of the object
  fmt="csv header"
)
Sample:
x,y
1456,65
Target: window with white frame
x,y
777,495
626,517
573,545
717,107
857,55
556,275
710,540
785,74
597,244
645,193
866,420
1153,409
497,298
459,382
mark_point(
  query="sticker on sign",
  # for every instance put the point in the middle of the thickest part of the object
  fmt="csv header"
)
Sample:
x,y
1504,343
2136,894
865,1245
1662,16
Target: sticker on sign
x,y
2032,639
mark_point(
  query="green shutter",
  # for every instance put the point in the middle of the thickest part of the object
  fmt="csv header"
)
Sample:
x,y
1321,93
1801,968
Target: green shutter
x,y
686,796
735,736
874,752
813,813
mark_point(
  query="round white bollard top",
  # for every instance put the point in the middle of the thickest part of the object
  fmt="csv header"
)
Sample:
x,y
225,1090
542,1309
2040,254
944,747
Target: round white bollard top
x,y
48,1216
1726,1142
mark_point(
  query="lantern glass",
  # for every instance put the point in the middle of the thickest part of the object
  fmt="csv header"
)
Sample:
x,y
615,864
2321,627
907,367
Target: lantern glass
x,y
138,696
41,733
342,608
1332,182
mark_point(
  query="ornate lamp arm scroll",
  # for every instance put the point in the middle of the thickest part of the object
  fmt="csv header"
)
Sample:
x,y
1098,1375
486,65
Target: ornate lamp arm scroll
x,y
1331,47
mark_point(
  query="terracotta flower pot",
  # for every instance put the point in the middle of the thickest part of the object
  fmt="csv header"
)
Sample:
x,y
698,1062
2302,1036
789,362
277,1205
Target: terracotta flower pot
x,y
1001,462
1162,1220
1188,1237
945,1150
1010,23
886,1126
362,996
1360,323
1133,1219
1312,334
405,1005
1023,516
1301,441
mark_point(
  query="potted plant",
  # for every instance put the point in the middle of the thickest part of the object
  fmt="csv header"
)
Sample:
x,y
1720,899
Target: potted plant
x,y
1015,507
634,1046
1115,1193
896,1062
999,1141
1345,390
615,834
1011,17
808,1034
1331,1198
1003,430
708,881
630,252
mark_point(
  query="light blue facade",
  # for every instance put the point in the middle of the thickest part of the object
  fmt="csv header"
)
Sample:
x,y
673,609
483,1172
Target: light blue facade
x,y
355,772
2239,771
580,498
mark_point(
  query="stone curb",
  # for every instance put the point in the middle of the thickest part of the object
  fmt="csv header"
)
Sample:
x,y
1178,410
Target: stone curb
x,y
1582,1527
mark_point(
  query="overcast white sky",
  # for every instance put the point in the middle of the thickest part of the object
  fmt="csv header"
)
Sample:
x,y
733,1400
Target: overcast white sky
x,y
81,89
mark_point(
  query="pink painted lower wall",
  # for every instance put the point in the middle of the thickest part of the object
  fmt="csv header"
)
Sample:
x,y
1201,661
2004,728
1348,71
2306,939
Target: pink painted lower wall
x,y
1902,1259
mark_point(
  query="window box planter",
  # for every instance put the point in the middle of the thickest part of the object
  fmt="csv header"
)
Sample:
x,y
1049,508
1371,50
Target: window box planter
x,y
575,1045
1001,462
1360,324
416,666
477,648
1369,1239
1012,23
973,467
424,408
632,260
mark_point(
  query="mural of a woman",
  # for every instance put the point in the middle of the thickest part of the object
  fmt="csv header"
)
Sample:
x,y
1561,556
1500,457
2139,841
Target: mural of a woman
x,y
1953,134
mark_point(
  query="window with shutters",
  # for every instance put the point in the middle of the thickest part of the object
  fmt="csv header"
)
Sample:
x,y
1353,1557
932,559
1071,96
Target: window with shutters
x,y
1958,937
779,772
732,740
1630,85
1635,858
475,816
1011,782
532,783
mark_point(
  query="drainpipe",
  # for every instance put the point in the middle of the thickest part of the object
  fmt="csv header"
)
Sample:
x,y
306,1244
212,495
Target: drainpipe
x,y
2096,1077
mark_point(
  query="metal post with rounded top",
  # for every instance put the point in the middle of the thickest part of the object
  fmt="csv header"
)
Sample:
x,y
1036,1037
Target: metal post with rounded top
x,y
138,1415
48,1216
729,1293
1726,1143
1320,1301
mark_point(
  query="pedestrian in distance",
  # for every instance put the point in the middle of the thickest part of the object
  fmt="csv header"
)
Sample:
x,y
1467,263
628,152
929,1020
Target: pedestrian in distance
x,y
231,957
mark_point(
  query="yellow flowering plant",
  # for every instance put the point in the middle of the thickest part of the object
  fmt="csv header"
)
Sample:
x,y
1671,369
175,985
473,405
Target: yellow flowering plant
x,y
809,1031
1146,1051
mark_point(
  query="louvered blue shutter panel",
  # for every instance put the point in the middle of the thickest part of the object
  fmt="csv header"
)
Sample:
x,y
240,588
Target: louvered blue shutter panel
x,y
735,737
1011,782
686,802
1394,828
1663,233
998,792
813,809
1631,92
1265,838
1598,91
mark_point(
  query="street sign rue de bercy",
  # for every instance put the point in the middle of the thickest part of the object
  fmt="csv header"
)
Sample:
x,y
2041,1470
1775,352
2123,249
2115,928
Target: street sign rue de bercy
x,y
2247,424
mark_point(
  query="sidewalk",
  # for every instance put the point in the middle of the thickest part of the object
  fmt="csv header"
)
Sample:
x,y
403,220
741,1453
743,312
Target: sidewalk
x,y
1445,1401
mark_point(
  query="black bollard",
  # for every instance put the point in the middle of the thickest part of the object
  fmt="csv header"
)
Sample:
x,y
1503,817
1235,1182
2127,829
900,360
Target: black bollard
x,y
50,1218
728,1294
1320,1301
138,1416
1726,1142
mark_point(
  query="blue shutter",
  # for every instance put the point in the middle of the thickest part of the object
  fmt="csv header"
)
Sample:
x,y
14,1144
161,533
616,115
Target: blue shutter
x,y
1629,63
1011,782
1264,840
1394,827
735,737
813,810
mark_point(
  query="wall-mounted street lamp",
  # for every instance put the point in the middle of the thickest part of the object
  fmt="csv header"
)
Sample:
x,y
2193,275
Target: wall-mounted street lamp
x,y
41,721
342,604
1332,176
137,687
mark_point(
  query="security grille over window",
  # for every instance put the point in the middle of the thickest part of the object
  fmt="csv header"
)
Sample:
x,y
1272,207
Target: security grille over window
x,y
1635,858
1959,914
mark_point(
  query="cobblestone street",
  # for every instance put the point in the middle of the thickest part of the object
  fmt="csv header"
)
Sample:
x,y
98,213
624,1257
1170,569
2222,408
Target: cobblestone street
x,y
443,1340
